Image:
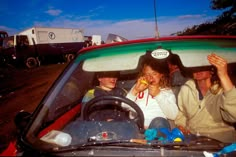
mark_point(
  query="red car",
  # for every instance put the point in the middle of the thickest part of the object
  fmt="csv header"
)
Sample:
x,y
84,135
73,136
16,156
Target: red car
x,y
59,126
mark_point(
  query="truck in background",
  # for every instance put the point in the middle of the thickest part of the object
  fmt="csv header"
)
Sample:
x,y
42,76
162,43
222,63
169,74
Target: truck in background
x,y
95,39
3,34
35,45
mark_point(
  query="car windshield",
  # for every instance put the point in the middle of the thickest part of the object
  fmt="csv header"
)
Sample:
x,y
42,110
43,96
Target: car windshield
x,y
64,121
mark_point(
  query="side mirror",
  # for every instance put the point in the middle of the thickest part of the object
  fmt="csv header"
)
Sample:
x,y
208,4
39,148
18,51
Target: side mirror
x,y
21,120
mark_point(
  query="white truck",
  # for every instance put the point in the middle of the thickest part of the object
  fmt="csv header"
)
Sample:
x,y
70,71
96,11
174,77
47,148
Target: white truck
x,y
96,39
36,44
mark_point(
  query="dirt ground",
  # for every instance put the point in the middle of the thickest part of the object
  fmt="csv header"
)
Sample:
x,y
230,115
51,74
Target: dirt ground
x,y
22,89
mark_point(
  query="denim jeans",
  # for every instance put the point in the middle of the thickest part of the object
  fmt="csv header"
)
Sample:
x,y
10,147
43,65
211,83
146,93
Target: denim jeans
x,y
159,122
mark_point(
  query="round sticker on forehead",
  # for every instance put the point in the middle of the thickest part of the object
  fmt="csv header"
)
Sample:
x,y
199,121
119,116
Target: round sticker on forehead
x,y
160,53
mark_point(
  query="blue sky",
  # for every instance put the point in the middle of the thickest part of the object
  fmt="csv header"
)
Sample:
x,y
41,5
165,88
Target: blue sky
x,y
132,19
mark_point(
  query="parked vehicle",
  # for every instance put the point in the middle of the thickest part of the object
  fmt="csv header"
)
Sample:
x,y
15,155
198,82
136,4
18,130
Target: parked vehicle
x,y
36,44
95,40
3,34
60,127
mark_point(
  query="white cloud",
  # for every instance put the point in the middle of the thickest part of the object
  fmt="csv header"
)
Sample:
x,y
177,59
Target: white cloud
x,y
3,27
142,28
54,12
10,31
130,29
97,9
191,16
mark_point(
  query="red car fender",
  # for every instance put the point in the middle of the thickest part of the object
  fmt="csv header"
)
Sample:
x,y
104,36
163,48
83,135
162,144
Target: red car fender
x,y
10,150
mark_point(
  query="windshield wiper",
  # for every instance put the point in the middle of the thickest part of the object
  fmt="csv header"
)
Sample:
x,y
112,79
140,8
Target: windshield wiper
x,y
199,143
124,143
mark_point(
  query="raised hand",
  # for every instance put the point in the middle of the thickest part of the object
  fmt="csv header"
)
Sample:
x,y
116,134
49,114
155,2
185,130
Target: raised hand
x,y
140,85
222,72
220,63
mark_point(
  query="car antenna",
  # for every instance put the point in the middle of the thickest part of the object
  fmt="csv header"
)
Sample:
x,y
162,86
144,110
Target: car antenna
x,y
156,27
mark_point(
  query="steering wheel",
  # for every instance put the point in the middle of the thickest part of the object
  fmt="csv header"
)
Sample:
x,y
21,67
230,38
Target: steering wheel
x,y
101,102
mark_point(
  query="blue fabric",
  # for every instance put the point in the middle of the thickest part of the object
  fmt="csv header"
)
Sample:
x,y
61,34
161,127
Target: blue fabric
x,y
156,134
150,134
159,122
226,150
163,134
153,132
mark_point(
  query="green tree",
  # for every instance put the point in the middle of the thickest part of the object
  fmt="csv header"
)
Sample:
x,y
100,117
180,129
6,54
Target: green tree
x,y
229,5
225,24
222,4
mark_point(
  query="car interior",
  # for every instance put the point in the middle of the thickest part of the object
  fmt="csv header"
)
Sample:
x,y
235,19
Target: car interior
x,y
86,127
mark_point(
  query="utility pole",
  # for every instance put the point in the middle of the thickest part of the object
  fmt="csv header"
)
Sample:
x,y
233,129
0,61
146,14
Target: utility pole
x,y
156,27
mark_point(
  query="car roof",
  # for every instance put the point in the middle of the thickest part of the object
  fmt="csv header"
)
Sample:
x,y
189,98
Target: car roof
x,y
166,38
192,50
